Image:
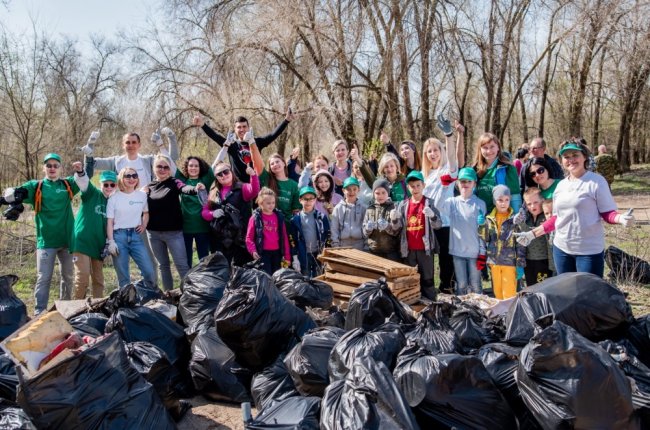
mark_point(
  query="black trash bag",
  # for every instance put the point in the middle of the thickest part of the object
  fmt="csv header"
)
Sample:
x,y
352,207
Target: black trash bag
x,y
372,304
299,413
8,378
256,321
501,361
625,267
141,324
494,328
366,399
302,290
152,363
272,384
13,313
96,389
467,321
433,331
203,288
307,361
451,391
147,292
332,317
586,302
215,372
91,324
381,344
639,336
568,381
14,418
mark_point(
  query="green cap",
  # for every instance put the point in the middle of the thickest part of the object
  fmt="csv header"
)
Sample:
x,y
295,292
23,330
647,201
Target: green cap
x,y
108,175
415,175
350,181
306,190
467,174
51,156
571,147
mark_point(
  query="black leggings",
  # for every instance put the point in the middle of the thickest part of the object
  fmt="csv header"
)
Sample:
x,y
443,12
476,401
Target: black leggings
x,y
445,261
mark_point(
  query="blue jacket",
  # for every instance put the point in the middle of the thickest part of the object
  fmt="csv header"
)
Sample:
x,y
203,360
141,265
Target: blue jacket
x,y
297,239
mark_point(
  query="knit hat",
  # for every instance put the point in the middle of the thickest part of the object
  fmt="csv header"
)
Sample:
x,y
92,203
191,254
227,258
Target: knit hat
x,y
51,156
108,175
467,174
306,190
320,173
500,191
350,181
381,183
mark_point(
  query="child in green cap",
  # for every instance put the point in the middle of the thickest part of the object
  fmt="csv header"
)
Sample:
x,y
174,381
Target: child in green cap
x,y
347,218
310,233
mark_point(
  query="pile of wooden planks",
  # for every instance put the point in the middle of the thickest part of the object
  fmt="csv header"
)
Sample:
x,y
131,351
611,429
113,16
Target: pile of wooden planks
x,y
348,268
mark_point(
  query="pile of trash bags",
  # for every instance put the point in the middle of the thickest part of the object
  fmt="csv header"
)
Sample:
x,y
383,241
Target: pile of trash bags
x,y
567,354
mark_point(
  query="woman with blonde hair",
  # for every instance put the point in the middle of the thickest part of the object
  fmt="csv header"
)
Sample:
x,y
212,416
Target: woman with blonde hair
x,y
389,169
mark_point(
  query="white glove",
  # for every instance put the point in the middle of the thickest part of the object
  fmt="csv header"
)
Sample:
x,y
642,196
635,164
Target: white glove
x,y
371,225
627,219
218,213
250,137
112,247
428,212
525,237
87,149
156,139
382,224
394,215
520,218
168,132
296,264
230,139
9,195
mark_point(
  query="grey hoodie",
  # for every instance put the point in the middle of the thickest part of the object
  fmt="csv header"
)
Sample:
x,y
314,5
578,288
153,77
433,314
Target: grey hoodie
x,y
347,225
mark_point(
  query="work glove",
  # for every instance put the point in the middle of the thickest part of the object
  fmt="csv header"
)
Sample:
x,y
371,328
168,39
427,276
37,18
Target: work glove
x,y
444,125
428,212
520,218
112,247
481,261
230,139
520,272
9,195
218,213
371,225
249,137
394,215
447,180
382,224
480,220
626,219
525,237
156,139
168,132
296,264
88,148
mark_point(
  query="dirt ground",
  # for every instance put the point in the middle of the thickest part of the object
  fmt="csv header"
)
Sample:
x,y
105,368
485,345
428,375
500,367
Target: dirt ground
x,y
640,203
208,415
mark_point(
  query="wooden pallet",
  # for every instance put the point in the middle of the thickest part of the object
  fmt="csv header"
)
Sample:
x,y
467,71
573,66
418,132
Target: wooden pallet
x,y
359,263
343,291
396,284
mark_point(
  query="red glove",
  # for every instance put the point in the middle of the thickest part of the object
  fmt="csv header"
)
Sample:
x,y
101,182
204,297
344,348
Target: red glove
x,y
480,262
447,180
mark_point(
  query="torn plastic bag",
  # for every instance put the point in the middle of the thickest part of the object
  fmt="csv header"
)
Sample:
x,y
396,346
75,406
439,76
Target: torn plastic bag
x,y
256,321
299,413
567,381
586,302
90,324
203,288
152,363
467,321
272,384
141,324
215,372
372,304
302,290
625,267
451,391
332,317
367,398
8,379
307,361
639,336
13,313
501,361
381,344
433,331
95,389
13,418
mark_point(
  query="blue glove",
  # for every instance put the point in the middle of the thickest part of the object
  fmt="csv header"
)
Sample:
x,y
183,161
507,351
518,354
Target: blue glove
x,y
520,272
481,218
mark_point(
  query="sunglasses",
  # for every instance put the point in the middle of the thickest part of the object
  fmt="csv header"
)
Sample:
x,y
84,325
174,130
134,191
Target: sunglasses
x,y
537,172
161,167
108,184
223,173
52,166
131,176
308,199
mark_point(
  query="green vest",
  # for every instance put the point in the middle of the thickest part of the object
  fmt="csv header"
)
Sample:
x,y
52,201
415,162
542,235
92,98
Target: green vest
x,y
191,206
486,184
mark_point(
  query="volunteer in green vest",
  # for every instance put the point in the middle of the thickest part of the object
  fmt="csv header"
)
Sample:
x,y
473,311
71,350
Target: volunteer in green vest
x,y
90,232
389,169
494,168
51,198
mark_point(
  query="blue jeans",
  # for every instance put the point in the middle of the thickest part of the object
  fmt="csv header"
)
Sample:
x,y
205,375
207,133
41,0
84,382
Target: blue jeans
x,y
468,277
45,259
130,243
202,245
172,241
594,263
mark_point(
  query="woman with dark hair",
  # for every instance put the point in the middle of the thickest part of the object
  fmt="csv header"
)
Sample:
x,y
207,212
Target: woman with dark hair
x,y
409,158
520,158
538,175
276,178
193,171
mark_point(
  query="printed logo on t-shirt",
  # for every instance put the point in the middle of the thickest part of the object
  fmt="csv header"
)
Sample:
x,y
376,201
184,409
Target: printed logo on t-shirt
x,y
61,190
99,210
135,202
414,224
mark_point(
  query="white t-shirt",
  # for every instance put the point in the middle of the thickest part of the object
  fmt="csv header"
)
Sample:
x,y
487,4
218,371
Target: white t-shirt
x,y
126,209
434,190
578,204
143,174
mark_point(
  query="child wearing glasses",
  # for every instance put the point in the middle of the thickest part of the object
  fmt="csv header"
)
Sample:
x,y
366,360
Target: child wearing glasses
x,y
127,215
89,238
310,233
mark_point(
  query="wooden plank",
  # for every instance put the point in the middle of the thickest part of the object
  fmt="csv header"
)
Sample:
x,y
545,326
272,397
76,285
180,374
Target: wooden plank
x,y
352,280
356,259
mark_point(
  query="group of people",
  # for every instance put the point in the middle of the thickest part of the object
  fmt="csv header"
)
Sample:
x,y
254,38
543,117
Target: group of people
x,y
525,220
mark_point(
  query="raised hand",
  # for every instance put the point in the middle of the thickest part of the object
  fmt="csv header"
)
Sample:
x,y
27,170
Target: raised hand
x,y
444,125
